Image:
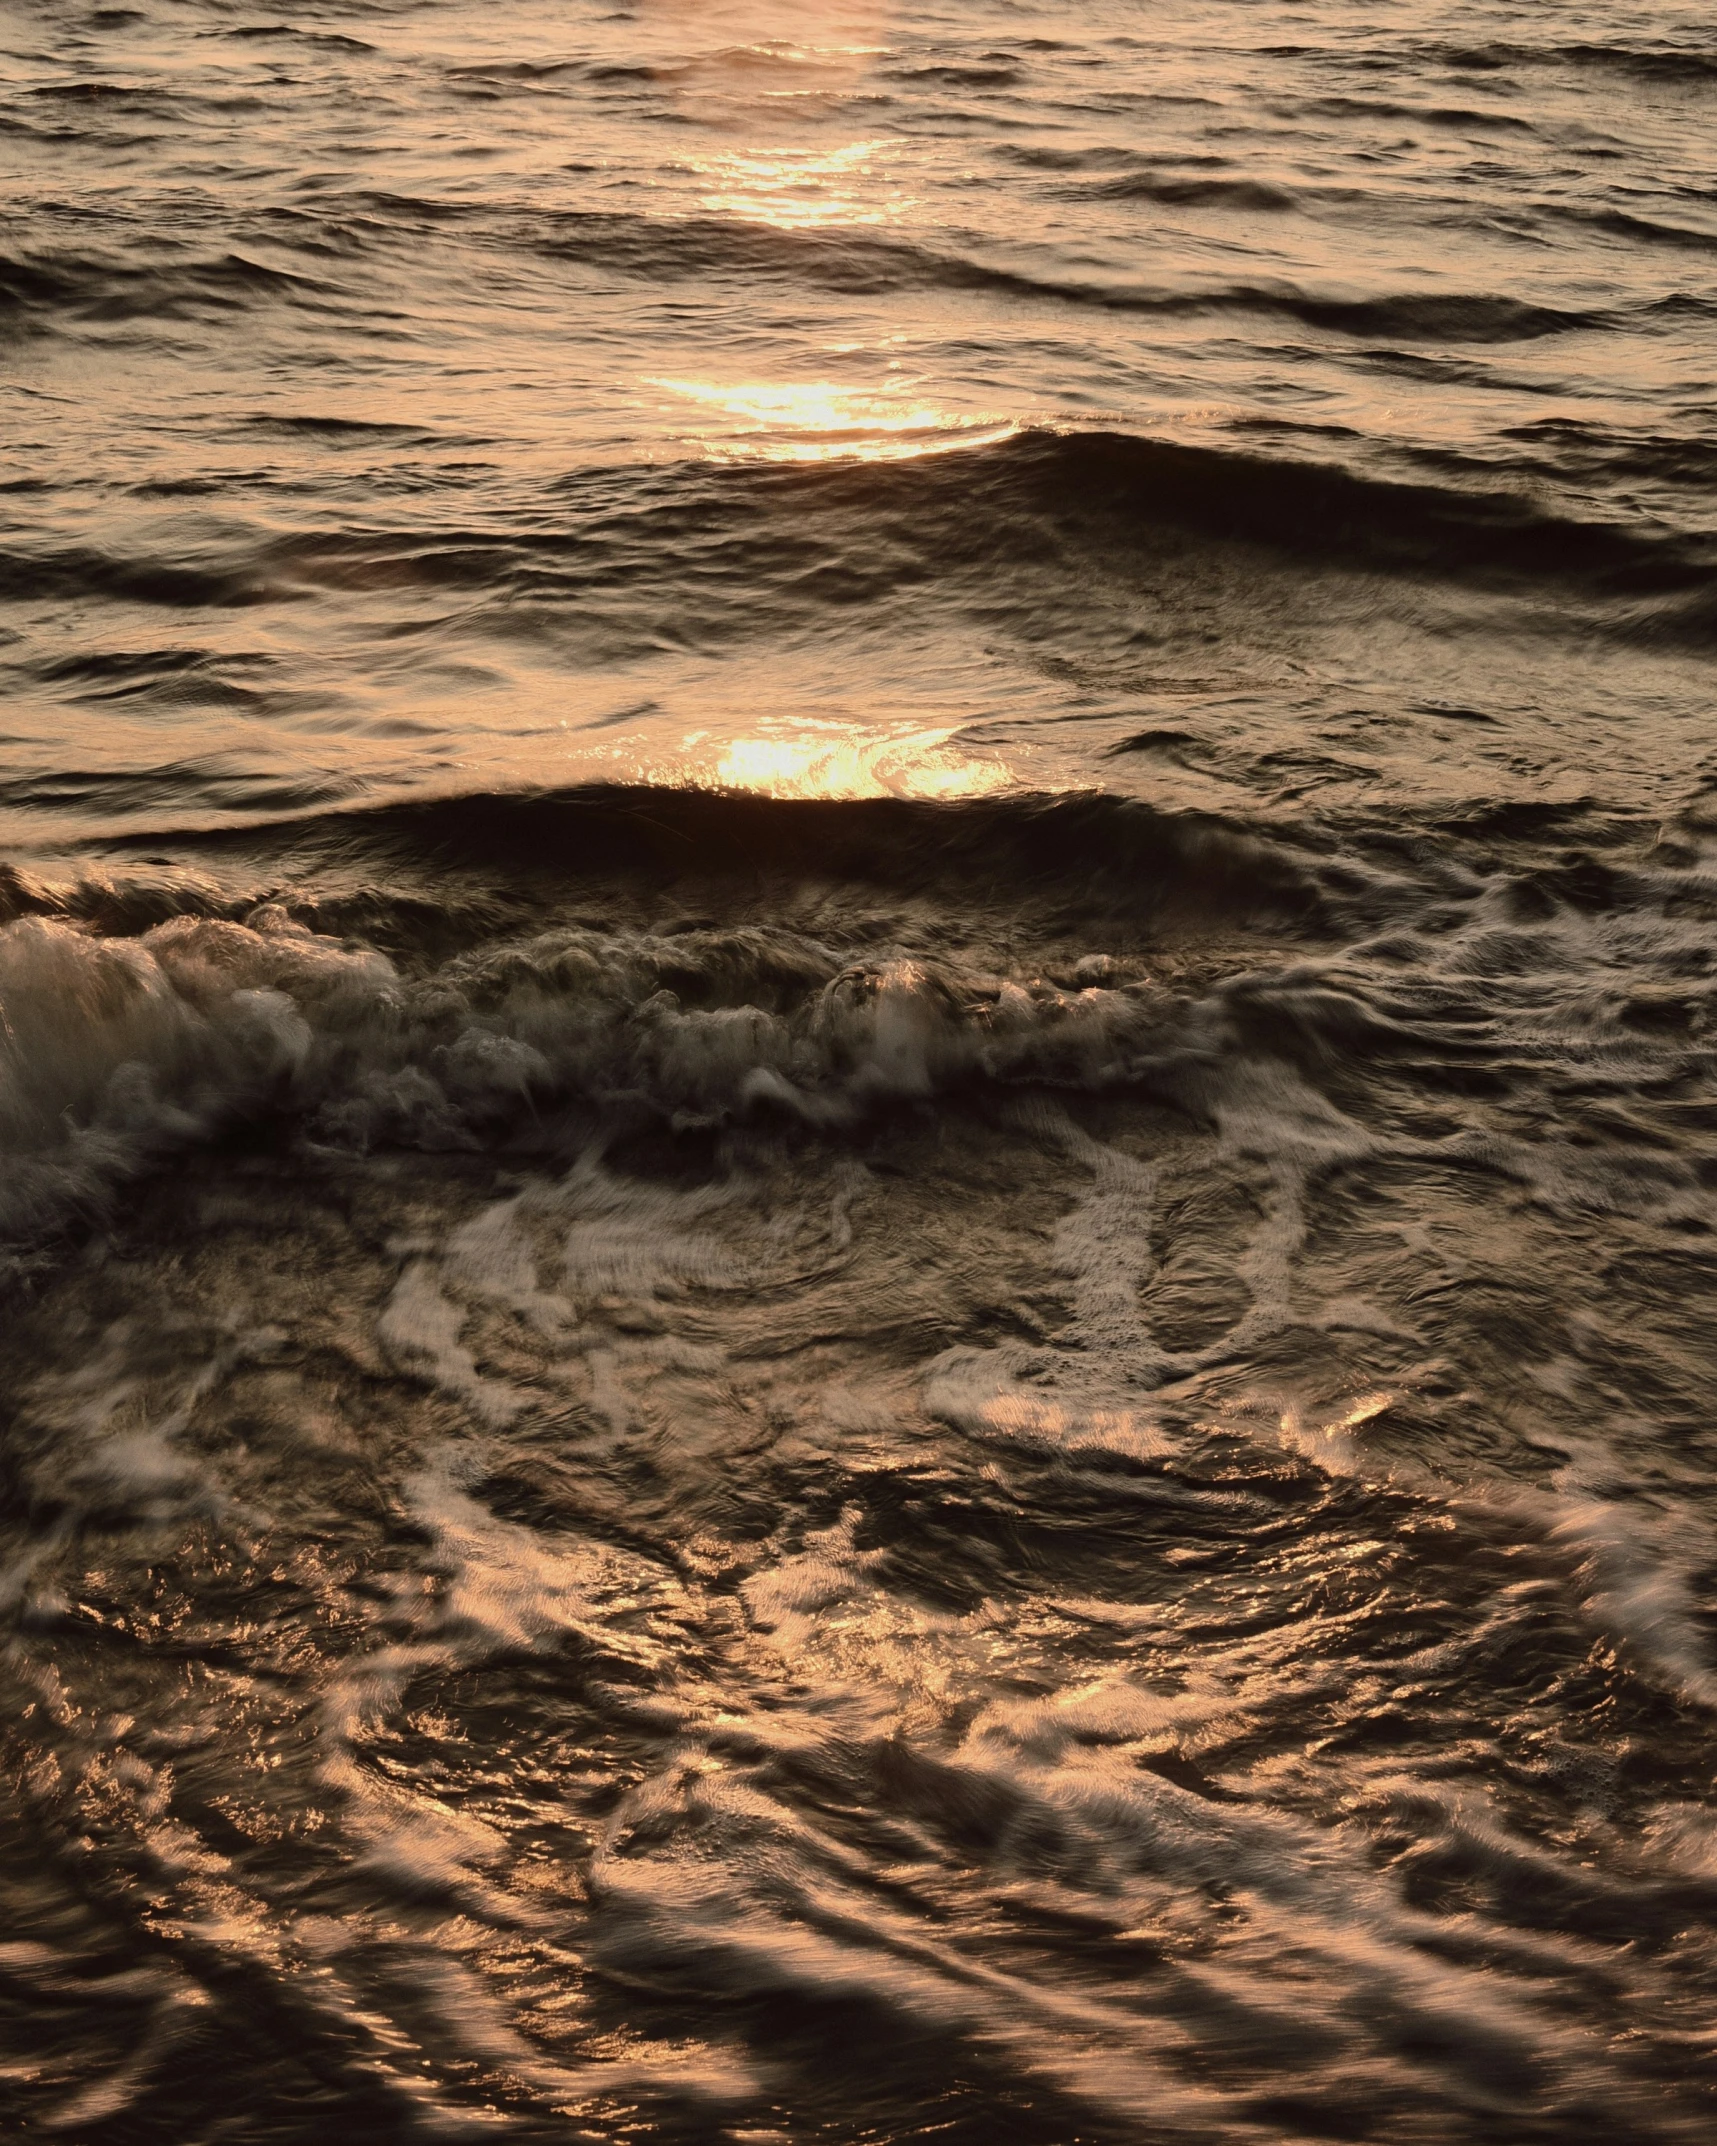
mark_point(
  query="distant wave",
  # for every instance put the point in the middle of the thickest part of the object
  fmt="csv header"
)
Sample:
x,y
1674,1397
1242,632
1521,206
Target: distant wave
x,y
91,287
37,288
865,263
1313,510
324,40
1692,65
1461,117
805,537
1199,191
1626,224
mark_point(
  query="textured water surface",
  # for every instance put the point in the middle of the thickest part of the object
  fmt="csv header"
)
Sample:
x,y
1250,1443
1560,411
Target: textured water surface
x,y
858,1107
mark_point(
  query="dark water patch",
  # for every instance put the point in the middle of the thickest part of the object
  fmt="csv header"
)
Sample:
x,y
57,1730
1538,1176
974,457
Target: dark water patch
x,y
1637,229
1099,854
324,40
81,571
1457,117
97,289
1197,193
1681,305
1512,818
1683,66
33,283
1690,623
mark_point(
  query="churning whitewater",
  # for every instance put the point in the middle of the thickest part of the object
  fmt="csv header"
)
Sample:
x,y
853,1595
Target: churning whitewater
x,y
858,1074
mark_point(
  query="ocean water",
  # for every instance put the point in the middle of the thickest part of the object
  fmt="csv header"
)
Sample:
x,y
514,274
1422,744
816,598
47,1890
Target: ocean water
x,y
858,1090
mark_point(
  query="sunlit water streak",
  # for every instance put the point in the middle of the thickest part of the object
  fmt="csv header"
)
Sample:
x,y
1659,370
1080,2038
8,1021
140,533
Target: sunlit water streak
x,y
819,421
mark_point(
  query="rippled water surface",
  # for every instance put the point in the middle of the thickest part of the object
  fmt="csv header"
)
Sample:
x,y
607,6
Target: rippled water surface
x,y
858,1102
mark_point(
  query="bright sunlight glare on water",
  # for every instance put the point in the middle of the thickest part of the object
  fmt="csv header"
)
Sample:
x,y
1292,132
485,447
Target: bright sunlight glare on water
x,y
819,421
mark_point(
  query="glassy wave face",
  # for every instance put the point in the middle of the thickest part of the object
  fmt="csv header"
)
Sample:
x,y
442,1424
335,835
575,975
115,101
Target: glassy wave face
x,y
858,1144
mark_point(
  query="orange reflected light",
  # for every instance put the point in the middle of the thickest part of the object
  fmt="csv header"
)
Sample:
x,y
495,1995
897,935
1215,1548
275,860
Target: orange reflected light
x,y
818,421
800,189
865,764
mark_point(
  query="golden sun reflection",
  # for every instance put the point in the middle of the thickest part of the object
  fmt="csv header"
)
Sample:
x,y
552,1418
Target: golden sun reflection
x,y
802,189
1038,1420
820,421
844,763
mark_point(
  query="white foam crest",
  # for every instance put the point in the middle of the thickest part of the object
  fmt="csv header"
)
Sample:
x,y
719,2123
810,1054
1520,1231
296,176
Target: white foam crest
x,y
109,1450
1638,1590
713,1881
511,1587
420,1328
493,1257
640,1239
1008,1394
784,1600
786,1931
1103,1244
1087,1394
75,1010
113,1050
1111,1711
617,1237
